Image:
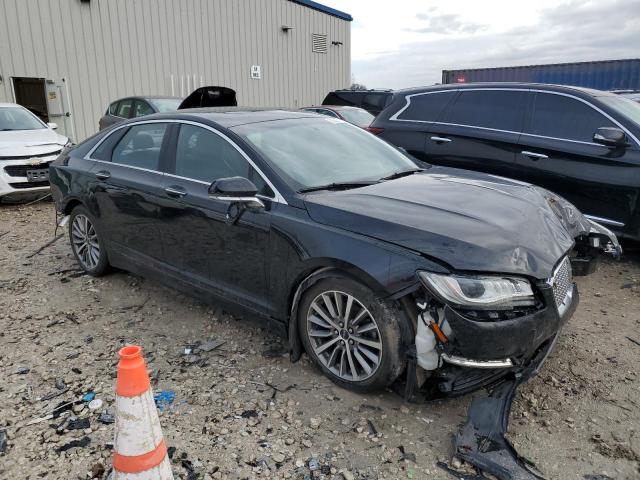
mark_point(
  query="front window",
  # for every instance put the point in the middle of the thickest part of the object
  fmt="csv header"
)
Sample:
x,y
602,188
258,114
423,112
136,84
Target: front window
x,y
17,118
357,116
311,152
166,104
623,106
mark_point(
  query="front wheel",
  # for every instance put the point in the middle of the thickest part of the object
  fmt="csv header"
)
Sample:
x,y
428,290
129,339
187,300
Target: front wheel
x,y
353,336
87,246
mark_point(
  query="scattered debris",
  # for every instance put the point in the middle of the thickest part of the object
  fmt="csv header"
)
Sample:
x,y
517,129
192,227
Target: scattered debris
x,y
97,471
22,370
404,455
632,340
88,397
95,404
48,244
82,443
164,399
211,345
78,424
3,441
106,418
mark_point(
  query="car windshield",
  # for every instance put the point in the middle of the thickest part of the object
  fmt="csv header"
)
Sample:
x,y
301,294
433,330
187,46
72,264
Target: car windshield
x,y
17,118
312,152
357,116
624,106
165,104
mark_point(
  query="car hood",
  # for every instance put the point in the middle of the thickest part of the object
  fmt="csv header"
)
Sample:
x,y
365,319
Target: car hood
x,y
470,221
30,142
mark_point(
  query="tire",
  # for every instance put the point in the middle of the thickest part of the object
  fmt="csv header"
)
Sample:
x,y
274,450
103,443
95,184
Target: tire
x,y
370,334
86,242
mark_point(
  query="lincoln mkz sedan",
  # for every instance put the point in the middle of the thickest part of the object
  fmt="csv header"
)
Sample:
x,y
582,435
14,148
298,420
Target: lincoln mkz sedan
x,y
370,264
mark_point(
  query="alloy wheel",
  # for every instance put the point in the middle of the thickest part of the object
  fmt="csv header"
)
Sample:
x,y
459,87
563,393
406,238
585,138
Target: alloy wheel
x,y
84,239
344,335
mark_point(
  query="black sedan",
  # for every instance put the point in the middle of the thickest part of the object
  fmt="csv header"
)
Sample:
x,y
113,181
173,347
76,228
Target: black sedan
x,y
370,264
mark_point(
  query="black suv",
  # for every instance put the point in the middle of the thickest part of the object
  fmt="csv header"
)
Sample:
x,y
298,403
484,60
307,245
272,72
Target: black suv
x,y
373,101
579,143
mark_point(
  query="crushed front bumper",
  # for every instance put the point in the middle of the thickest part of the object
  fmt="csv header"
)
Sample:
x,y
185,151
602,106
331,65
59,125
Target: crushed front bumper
x,y
485,352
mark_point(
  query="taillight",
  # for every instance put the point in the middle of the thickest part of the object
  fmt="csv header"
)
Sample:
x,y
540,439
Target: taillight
x,y
374,130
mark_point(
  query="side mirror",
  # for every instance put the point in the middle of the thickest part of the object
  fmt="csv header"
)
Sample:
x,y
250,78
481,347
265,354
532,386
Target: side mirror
x,y
236,190
52,126
610,137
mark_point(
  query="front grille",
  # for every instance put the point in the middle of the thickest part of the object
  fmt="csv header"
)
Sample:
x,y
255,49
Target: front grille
x,y
21,170
29,185
39,155
561,282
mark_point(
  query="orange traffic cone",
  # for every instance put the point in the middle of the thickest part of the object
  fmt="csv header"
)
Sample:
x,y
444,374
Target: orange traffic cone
x,y
140,452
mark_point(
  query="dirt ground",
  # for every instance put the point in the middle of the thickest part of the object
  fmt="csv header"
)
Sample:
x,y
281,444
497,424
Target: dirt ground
x,y
238,414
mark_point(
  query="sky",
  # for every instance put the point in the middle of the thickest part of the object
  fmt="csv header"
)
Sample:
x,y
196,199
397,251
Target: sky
x,y
407,43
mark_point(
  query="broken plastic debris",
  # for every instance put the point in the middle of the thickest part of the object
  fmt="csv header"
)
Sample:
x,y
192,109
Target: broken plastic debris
x,y
23,371
95,404
88,397
164,398
3,441
78,424
211,345
83,442
106,418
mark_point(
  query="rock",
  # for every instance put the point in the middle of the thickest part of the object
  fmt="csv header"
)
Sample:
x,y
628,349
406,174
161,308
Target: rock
x,y
278,457
347,475
315,422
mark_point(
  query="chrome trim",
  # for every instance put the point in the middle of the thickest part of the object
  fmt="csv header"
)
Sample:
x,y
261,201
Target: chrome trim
x,y
408,99
568,298
175,191
127,166
277,198
440,139
606,221
250,200
533,154
467,362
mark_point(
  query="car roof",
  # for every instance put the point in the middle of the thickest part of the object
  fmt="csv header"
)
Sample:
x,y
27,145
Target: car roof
x,y
146,97
10,105
336,107
233,116
507,85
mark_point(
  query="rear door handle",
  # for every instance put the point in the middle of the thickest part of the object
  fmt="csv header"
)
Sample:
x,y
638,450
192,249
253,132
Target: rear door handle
x,y
175,191
440,139
533,155
103,175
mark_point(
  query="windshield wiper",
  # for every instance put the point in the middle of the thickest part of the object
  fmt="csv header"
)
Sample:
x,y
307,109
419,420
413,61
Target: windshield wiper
x,y
337,186
402,173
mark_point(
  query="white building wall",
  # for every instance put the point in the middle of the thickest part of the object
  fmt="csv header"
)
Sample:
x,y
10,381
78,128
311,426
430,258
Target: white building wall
x,y
108,49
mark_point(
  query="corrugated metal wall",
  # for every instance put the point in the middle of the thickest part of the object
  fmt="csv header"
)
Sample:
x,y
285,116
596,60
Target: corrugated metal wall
x,y
602,75
107,49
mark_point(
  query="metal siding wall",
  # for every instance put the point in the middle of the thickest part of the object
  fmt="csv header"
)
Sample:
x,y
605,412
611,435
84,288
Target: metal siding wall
x,y
109,49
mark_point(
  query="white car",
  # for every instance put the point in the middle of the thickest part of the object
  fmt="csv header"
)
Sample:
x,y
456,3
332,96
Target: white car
x,y
27,146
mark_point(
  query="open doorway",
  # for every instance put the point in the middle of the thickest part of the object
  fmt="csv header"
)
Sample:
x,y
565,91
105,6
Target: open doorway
x,y
31,93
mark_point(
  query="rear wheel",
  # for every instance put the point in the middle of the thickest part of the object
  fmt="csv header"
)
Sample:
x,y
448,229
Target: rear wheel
x,y
350,334
86,243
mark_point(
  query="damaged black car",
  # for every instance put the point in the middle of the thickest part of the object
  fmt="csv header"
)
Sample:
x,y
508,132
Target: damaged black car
x,y
379,268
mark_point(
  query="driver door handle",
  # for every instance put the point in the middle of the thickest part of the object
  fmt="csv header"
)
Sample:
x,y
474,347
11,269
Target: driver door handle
x,y
533,155
175,191
103,175
440,139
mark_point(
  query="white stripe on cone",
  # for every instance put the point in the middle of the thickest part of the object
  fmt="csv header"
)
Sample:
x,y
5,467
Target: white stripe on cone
x,y
137,425
161,472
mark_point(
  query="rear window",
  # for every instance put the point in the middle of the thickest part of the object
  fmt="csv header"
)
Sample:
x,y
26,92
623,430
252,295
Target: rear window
x,y
497,109
344,98
427,107
375,101
113,108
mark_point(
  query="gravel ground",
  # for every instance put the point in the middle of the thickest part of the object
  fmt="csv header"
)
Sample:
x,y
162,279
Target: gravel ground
x,y
240,414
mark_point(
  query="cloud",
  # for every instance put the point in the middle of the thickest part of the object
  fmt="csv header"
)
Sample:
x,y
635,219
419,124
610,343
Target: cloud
x,y
578,30
446,24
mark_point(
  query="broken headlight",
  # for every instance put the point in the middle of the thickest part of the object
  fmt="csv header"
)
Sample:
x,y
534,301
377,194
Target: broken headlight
x,y
480,293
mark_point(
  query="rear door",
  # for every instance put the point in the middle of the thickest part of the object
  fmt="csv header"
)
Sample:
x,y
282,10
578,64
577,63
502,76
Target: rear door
x,y
128,188
557,152
478,130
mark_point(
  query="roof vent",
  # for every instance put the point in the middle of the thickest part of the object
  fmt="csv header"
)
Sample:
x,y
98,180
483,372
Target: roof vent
x,y
318,43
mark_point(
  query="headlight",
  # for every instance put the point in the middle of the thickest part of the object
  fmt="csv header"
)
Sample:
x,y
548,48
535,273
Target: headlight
x,y
480,293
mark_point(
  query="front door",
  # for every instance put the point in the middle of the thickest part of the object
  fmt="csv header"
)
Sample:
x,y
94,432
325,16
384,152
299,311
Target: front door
x,y
224,258
557,152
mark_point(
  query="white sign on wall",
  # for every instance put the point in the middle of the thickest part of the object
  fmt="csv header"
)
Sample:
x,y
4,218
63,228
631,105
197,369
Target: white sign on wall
x,y
256,73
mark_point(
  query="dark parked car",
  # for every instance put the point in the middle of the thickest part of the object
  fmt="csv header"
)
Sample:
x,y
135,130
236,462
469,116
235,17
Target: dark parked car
x,y
134,107
354,115
373,101
581,144
364,260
